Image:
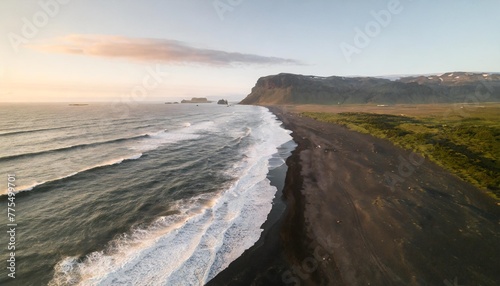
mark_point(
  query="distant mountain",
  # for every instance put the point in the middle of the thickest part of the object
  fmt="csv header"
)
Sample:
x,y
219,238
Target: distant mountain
x,y
446,88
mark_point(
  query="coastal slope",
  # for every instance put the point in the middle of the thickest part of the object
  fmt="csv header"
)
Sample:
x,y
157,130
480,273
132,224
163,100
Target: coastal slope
x,y
452,87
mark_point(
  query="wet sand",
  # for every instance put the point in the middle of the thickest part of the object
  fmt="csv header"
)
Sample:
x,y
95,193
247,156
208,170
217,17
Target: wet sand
x,y
360,211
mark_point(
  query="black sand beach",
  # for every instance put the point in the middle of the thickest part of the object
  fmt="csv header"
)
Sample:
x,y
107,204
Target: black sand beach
x,y
360,211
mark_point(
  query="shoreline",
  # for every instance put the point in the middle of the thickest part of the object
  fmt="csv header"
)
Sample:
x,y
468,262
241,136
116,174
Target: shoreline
x,y
259,263
347,223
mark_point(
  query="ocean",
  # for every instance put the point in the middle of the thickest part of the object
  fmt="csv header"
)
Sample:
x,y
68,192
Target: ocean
x,y
146,194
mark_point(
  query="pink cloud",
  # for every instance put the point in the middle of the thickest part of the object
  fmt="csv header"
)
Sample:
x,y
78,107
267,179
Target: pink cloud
x,y
147,50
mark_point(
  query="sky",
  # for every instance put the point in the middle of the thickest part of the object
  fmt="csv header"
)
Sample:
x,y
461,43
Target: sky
x,y
165,50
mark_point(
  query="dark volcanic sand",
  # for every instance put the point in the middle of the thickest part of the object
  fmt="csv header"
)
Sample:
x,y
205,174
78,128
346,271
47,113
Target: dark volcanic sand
x,y
346,225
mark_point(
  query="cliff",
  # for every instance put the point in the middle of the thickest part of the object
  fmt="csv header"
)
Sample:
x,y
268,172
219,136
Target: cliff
x,y
446,88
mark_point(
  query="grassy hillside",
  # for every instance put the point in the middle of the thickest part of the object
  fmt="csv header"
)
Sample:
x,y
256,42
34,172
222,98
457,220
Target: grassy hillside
x,y
468,146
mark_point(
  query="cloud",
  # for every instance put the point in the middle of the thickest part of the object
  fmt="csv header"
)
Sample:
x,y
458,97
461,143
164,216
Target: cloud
x,y
151,50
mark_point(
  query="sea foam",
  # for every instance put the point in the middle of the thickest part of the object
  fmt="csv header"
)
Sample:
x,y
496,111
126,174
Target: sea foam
x,y
205,235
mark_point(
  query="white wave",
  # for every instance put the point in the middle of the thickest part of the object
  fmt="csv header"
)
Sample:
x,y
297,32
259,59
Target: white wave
x,y
188,132
98,265
153,141
207,234
106,163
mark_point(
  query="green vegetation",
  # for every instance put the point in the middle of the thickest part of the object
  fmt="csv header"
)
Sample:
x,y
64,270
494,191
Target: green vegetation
x,y
468,145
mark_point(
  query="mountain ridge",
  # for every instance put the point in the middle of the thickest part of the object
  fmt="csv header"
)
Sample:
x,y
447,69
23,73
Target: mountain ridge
x,y
451,87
